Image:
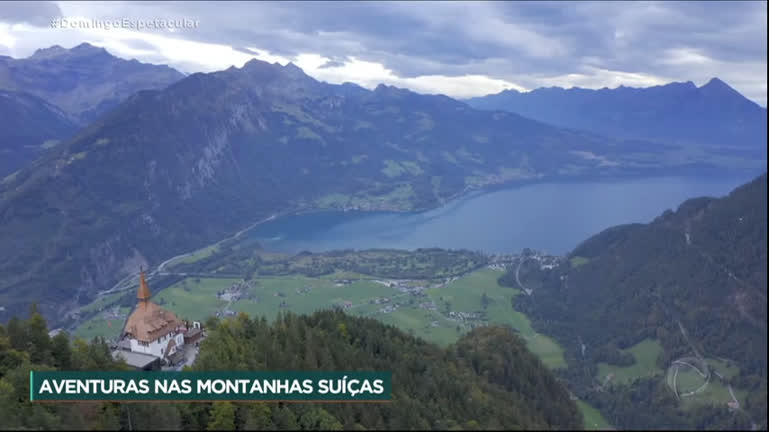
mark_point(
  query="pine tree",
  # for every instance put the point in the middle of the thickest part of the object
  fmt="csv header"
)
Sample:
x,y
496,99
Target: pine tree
x,y
37,340
259,417
222,417
61,352
319,419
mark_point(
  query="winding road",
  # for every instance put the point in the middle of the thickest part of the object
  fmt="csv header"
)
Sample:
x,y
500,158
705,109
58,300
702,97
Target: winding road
x,y
518,279
128,281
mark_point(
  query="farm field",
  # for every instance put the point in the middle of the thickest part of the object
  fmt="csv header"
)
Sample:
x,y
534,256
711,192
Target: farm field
x,y
193,298
645,354
438,310
423,315
465,295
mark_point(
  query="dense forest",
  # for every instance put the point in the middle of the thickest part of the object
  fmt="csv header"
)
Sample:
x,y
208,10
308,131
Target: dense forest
x,y
487,380
693,280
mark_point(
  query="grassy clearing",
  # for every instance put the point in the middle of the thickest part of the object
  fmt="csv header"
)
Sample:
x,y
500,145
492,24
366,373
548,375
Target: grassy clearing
x,y
715,393
465,295
688,380
197,301
725,368
100,326
593,418
102,302
645,354
578,261
304,295
197,255
429,325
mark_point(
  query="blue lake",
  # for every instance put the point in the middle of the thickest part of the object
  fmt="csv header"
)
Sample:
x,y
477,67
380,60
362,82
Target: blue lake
x,y
552,217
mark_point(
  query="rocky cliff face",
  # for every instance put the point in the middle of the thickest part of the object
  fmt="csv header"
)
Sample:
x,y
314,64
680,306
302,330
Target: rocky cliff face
x,y
84,81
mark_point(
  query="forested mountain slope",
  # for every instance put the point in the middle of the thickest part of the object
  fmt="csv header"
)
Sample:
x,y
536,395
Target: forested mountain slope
x,y
693,280
28,126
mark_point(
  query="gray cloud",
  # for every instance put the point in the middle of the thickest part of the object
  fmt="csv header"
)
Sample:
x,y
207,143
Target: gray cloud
x,y
35,13
525,43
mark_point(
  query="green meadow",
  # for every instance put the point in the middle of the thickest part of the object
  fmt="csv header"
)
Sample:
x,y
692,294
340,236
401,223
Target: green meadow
x,y
427,315
645,354
592,417
194,298
197,255
725,368
578,261
715,393
102,302
465,295
101,326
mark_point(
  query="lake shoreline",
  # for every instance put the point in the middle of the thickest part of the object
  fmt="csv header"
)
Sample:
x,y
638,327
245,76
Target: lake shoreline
x,y
471,192
687,186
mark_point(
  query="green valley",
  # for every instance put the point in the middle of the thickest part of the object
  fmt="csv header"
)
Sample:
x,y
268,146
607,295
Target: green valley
x,y
446,296
440,305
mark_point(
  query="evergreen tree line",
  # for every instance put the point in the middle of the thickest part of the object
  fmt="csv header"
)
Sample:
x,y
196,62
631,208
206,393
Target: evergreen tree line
x,y
487,380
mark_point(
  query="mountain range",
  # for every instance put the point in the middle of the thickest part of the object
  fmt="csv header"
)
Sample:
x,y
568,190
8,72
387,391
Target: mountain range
x,y
84,81
181,166
713,115
46,97
108,165
174,169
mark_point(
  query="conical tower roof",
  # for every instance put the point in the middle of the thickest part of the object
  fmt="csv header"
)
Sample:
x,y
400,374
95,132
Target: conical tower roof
x,y
144,291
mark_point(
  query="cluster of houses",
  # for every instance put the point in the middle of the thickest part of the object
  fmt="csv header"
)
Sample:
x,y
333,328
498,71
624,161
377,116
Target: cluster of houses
x,y
505,261
379,300
237,291
428,305
304,290
389,308
462,316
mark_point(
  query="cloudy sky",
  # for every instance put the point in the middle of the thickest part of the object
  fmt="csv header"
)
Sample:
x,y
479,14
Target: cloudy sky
x,y
459,49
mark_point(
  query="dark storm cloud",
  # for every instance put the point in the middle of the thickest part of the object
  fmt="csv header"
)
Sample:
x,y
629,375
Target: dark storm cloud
x,y
457,36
